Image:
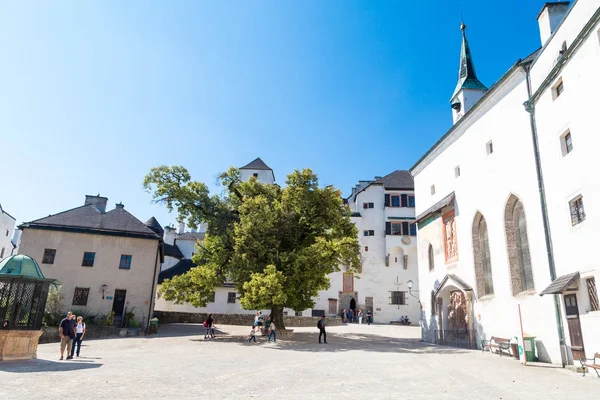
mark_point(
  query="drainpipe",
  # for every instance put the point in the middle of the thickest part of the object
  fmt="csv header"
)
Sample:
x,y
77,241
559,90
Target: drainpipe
x,y
530,108
153,285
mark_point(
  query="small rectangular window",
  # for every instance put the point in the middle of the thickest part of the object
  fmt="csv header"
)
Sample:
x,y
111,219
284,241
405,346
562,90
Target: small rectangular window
x,y
125,262
2,253
366,248
397,298
88,259
298,313
231,297
255,175
593,294
80,297
566,143
49,255
457,171
489,147
395,201
211,298
577,210
411,201
557,89
368,205
369,233
432,190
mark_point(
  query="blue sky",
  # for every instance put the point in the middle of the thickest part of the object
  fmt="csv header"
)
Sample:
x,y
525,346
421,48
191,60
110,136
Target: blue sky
x,y
94,94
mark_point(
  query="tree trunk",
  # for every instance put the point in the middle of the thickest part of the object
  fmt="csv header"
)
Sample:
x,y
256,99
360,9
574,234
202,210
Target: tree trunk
x,y
277,317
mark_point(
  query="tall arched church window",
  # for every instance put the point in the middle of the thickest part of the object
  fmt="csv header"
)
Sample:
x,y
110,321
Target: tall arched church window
x,y
517,246
430,256
481,253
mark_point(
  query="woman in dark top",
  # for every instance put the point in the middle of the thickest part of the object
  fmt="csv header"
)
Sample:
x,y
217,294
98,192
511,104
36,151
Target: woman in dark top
x,y
210,332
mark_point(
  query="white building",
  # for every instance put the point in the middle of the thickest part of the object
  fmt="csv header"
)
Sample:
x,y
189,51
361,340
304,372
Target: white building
x,y
482,244
7,227
383,210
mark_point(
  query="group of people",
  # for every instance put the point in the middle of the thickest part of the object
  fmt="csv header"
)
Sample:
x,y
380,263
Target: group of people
x,y
269,328
350,316
71,331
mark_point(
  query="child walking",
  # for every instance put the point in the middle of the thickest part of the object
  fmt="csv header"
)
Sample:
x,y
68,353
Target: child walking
x,y
252,335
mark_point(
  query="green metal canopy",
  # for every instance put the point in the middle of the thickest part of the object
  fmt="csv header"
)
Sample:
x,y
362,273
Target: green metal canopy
x,y
20,266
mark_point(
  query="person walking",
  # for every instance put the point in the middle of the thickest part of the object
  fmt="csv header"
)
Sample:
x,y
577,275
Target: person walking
x,y
369,317
208,324
351,315
66,330
273,332
79,334
321,326
252,335
360,316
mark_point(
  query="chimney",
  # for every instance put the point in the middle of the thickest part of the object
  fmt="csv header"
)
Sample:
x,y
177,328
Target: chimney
x,y
120,206
181,227
98,202
550,17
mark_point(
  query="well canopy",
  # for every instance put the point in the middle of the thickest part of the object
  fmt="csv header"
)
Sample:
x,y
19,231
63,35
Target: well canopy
x,y
21,266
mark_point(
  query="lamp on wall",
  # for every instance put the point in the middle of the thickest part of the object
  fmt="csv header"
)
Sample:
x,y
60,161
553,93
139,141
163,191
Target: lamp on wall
x,y
103,289
410,283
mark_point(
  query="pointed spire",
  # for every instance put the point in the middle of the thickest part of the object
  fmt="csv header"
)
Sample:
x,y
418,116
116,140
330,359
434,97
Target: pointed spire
x,y
467,78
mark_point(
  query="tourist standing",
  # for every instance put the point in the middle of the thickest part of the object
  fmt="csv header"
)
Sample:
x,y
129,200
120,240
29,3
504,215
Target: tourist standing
x,y
344,316
208,324
351,315
79,334
369,317
66,330
273,332
252,335
360,316
321,326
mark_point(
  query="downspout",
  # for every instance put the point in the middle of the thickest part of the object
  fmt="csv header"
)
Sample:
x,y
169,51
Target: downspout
x,y
153,285
530,108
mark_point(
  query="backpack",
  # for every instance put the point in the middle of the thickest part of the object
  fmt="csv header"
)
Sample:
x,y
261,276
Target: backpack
x,y
319,324
205,324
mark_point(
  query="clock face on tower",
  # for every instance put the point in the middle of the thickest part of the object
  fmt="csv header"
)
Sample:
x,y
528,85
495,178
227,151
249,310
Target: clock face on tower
x,y
405,240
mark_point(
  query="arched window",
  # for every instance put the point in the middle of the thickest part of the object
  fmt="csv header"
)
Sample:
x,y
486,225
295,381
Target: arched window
x,y
517,246
430,254
481,253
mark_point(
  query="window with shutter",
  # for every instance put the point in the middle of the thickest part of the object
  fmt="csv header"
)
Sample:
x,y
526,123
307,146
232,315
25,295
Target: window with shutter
x,y
405,228
395,201
388,228
387,200
404,200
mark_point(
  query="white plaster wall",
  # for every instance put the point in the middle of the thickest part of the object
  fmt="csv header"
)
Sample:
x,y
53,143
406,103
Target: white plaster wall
x,y
576,173
187,247
67,269
264,176
485,184
7,227
169,262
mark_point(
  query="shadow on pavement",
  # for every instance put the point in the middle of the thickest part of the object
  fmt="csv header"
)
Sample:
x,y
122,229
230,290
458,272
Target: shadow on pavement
x,y
178,330
38,365
338,342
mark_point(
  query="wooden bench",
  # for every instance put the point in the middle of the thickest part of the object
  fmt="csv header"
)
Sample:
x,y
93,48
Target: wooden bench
x,y
595,364
502,344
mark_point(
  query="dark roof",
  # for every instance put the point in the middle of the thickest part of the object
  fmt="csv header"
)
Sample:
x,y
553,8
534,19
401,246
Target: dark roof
x,y
257,164
552,3
355,214
153,224
87,219
397,180
191,236
436,207
467,78
458,281
180,268
561,283
172,251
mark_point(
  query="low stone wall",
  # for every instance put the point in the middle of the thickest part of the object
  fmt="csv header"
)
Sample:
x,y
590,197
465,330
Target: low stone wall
x,y
50,334
169,317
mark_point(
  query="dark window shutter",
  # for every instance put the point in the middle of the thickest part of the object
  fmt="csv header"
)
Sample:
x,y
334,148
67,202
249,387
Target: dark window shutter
x,y
388,228
413,229
405,226
404,200
387,200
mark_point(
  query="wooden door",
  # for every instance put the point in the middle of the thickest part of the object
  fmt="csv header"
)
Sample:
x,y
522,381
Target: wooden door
x,y
333,307
572,311
119,302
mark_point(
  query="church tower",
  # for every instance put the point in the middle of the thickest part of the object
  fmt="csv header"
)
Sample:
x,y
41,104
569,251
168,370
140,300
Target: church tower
x,y
468,89
258,169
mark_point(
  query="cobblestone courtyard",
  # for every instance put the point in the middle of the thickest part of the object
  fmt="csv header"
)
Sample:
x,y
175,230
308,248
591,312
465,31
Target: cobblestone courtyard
x,y
367,362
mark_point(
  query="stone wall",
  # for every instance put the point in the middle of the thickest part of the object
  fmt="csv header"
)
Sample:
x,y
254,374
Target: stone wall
x,y
50,335
166,317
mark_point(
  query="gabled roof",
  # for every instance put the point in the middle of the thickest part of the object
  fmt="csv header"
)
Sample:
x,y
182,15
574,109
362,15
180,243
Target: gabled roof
x,y
467,78
87,219
397,180
172,251
449,199
257,164
153,224
561,283
458,282
180,268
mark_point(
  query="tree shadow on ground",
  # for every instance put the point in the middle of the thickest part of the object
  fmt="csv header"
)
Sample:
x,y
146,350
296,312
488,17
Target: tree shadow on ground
x,y
342,342
178,330
38,365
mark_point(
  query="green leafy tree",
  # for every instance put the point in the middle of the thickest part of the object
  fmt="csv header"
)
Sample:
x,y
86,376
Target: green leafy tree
x,y
277,245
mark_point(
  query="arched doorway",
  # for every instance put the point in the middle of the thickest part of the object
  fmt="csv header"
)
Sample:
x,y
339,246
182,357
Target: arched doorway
x,y
353,304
